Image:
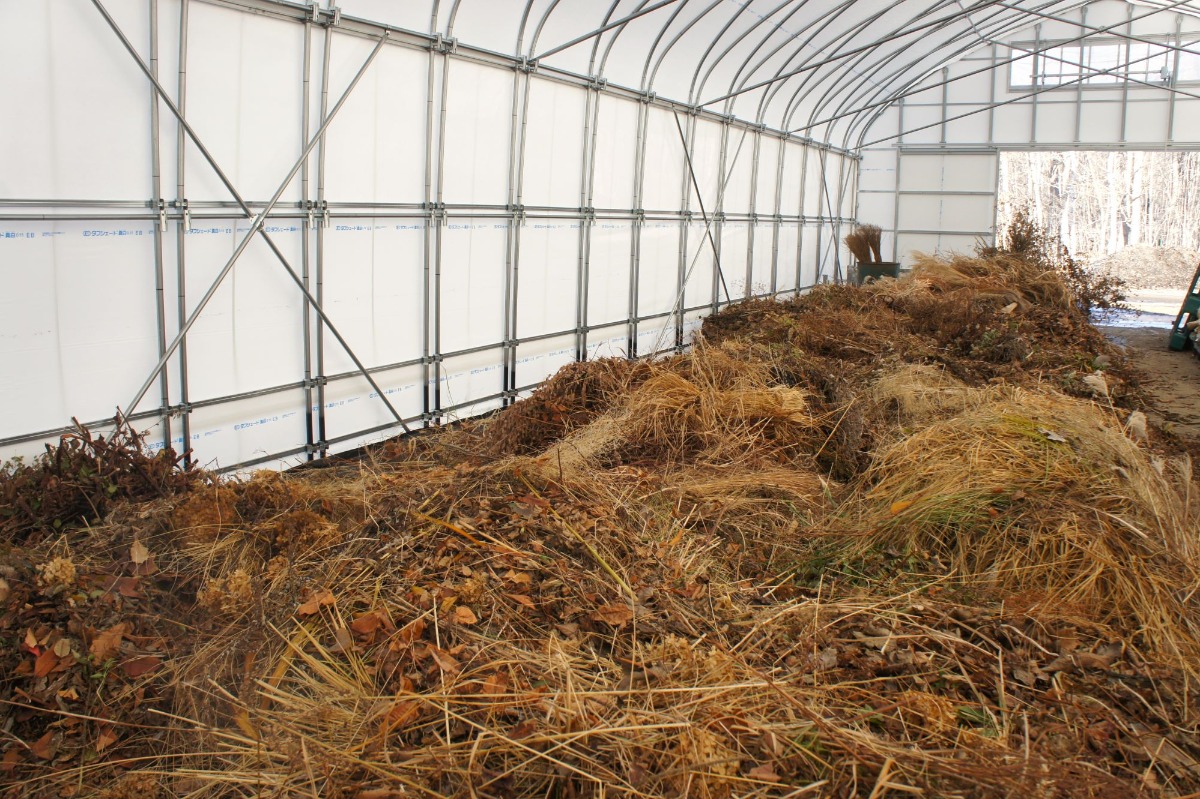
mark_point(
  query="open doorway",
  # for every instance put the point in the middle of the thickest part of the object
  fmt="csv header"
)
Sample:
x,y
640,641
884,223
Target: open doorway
x,y
1132,214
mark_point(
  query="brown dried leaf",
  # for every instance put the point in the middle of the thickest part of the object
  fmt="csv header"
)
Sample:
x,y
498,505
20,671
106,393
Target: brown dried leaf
x,y
520,578
45,747
496,684
401,714
445,660
128,587
108,643
464,615
367,623
139,666
138,553
105,739
616,615
314,603
45,663
765,773
411,632
522,599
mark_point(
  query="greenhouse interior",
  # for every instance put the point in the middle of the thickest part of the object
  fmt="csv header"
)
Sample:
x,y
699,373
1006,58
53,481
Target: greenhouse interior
x,y
597,398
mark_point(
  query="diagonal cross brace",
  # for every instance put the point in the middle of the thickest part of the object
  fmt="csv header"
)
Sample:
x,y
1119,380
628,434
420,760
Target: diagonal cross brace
x,y
256,225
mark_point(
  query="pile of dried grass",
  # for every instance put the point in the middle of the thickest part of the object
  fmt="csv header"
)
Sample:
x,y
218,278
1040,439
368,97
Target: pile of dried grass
x,y
823,553
1026,491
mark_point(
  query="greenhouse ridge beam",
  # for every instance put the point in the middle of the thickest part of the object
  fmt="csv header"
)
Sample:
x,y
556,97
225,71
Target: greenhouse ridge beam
x,y
256,225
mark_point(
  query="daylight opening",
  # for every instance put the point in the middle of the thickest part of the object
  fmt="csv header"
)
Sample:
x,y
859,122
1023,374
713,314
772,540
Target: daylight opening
x,y
1131,213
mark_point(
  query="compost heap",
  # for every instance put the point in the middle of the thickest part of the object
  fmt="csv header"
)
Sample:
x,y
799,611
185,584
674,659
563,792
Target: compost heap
x,y
898,540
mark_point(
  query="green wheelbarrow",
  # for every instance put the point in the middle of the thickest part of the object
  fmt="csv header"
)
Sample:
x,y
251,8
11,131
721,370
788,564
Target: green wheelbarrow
x,y
1188,312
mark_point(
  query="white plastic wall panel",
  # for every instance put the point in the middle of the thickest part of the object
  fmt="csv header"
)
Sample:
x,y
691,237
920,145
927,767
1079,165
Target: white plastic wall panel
x,y
1100,122
739,171
1013,126
701,268
937,172
76,109
248,336
471,383
922,124
609,272
658,283
553,150
768,176
1053,120
663,186
789,195
234,432
972,128
616,153
877,209
375,149
373,290
735,242
1187,117
608,342
810,264
707,140
764,258
946,212
1148,126
351,405
537,360
245,101
472,280
477,134
76,320
948,201
548,280
813,199
655,336
785,275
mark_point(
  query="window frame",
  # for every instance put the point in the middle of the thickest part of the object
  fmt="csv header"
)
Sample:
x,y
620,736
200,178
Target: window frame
x,y
1119,79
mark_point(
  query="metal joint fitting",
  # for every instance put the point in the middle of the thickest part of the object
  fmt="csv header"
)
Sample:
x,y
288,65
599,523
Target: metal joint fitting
x,y
184,208
443,44
527,65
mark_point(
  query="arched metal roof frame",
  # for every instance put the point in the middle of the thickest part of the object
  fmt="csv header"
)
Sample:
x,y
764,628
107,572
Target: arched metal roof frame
x,y
867,115
747,74
852,60
973,40
871,102
842,86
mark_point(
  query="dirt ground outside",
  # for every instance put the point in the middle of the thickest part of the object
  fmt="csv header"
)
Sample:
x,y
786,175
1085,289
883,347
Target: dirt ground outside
x,y
1173,378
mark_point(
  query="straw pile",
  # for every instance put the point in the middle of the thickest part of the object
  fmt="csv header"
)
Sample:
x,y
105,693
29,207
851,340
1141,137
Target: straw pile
x,y
824,553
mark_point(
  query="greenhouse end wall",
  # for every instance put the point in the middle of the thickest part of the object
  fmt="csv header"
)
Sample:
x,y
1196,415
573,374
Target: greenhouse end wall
x,y
462,225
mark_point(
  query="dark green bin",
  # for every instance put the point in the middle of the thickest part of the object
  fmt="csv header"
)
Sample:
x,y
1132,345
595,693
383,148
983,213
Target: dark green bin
x,y
869,272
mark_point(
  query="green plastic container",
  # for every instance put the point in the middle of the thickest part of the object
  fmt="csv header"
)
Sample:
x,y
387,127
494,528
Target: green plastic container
x,y
869,272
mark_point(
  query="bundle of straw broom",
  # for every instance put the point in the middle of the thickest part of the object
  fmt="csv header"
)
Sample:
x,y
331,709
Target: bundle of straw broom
x,y
864,244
